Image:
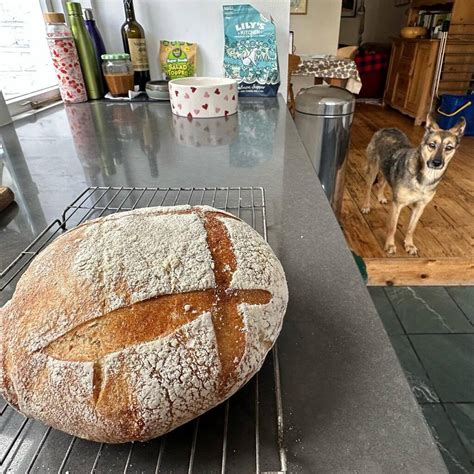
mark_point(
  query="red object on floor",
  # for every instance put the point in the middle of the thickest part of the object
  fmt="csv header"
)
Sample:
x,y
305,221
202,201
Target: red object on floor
x,y
373,68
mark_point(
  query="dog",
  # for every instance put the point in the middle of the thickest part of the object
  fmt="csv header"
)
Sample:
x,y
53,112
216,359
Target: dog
x,y
413,173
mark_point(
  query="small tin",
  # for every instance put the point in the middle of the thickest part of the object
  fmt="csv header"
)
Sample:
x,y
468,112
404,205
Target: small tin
x,y
157,90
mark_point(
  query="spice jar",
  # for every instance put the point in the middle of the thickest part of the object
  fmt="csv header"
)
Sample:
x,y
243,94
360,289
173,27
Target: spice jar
x,y
118,72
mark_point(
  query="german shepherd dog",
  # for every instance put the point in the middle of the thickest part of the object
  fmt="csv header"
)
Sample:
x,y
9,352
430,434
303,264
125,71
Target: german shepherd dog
x,y
412,173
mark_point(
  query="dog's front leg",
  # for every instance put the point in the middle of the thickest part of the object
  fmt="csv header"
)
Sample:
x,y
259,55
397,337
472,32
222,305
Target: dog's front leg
x,y
390,247
416,213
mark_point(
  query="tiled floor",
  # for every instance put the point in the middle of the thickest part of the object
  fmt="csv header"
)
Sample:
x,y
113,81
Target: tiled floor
x,y
432,332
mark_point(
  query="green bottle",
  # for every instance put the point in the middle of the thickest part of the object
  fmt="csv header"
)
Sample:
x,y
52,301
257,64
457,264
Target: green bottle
x,y
89,65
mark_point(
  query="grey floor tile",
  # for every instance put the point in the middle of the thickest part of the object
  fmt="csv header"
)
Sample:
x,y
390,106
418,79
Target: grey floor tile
x,y
449,362
416,375
385,310
453,452
462,417
464,297
428,310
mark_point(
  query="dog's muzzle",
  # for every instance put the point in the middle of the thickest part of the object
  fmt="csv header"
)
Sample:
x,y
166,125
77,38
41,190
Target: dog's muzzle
x,y
436,163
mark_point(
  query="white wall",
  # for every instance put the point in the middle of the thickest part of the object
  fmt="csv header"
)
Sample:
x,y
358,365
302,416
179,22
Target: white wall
x,y
318,30
198,21
383,20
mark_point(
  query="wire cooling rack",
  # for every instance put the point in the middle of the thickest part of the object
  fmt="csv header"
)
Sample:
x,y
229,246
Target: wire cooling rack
x,y
244,434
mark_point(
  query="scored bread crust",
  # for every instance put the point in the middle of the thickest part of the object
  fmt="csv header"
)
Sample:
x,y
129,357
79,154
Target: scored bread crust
x,y
130,325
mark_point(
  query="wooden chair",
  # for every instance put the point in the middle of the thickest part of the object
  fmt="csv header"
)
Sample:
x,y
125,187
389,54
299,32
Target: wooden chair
x,y
293,62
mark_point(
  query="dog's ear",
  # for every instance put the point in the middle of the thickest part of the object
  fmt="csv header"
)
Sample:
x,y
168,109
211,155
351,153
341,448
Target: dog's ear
x,y
459,128
431,124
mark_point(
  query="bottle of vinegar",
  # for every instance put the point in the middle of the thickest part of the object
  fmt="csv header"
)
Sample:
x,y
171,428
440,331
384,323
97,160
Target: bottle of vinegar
x,y
133,37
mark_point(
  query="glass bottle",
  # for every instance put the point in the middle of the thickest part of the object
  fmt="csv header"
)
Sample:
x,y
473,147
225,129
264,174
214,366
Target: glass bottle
x,y
89,64
65,59
133,37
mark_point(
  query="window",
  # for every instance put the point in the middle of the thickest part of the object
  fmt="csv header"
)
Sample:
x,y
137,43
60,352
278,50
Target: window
x,y
26,70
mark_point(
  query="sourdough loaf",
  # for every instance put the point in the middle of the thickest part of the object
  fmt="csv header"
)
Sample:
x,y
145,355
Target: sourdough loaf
x,y
130,325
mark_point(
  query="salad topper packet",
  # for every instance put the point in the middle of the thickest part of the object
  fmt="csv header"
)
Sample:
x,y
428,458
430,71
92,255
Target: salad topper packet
x,y
177,59
250,51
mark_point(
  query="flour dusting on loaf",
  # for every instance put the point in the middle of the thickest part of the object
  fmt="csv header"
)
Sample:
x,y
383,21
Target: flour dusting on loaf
x,y
130,325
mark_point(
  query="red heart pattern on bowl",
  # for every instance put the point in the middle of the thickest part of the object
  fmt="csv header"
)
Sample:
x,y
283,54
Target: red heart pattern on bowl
x,y
205,97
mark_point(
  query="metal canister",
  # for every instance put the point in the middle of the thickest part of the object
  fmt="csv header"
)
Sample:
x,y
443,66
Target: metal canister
x,y
323,119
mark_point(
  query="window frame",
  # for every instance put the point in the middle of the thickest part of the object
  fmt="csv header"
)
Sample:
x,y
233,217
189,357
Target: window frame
x,y
35,101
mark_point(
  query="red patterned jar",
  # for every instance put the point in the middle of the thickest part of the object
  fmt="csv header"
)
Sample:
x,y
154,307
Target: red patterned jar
x,y
65,59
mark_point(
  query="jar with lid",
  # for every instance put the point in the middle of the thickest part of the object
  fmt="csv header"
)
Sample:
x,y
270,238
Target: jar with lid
x,y
118,72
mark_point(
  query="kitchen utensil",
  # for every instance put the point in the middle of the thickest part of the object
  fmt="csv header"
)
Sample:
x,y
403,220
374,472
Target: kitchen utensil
x,y
203,97
157,90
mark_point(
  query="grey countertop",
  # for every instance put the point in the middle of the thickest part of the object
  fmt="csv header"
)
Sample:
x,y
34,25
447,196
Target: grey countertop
x,y
347,405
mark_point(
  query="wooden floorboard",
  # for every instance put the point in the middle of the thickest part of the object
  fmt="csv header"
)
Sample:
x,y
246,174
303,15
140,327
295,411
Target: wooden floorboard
x,y
445,233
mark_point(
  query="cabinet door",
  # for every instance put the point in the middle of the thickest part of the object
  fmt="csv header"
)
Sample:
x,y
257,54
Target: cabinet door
x,y
421,82
392,72
401,89
404,73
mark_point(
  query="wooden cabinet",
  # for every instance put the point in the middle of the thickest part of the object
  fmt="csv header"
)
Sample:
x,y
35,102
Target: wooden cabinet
x,y
413,62
410,77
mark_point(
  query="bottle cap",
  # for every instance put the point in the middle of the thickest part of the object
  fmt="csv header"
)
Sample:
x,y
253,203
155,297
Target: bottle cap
x,y
106,57
53,17
88,14
74,8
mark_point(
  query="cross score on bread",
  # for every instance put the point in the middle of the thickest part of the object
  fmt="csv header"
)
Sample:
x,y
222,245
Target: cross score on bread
x,y
159,327
221,301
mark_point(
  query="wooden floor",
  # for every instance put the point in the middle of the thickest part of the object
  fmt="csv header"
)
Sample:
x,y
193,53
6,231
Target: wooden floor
x,y
444,235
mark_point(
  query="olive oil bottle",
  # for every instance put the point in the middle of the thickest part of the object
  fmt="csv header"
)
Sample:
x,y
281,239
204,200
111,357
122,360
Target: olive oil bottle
x,y
133,37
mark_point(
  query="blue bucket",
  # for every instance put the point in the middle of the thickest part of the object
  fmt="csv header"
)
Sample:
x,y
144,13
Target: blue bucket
x,y
453,107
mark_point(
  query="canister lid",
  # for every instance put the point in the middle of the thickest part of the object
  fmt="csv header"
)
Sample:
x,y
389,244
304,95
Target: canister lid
x,y
112,56
325,100
53,17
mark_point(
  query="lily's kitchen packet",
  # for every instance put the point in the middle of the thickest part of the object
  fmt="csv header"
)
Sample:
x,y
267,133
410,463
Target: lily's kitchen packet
x,y
250,51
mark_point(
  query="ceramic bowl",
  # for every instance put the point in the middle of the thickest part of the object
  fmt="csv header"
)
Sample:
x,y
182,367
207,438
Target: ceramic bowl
x,y
203,97
412,32
157,90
